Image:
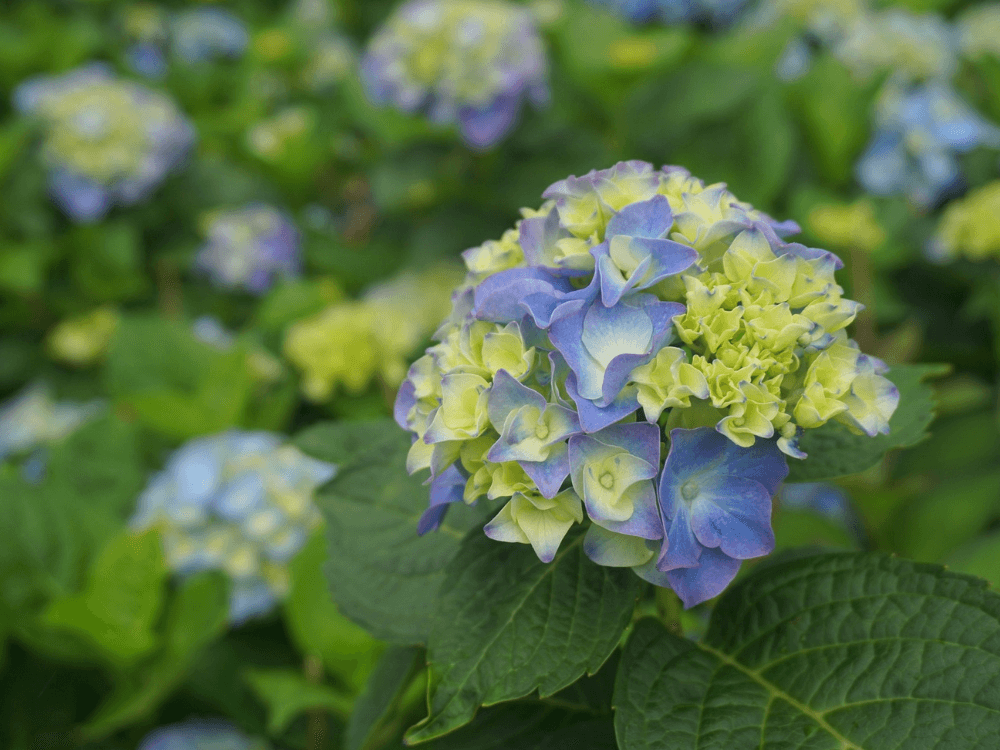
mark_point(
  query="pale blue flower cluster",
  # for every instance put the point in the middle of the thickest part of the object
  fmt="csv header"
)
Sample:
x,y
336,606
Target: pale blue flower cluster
x,y
200,734
920,131
716,12
194,35
921,123
249,248
239,502
642,351
106,140
468,62
32,419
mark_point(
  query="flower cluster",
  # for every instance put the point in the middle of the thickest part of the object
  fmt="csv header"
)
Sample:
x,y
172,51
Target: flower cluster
x,y
240,502
920,131
249,248
351,342
970,227
33,418
716,12
194,35
200,735
107,140
638,306
922,124
470,62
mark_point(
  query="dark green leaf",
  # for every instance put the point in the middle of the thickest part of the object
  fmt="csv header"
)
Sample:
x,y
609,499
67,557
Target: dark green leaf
x,y
509,624
530,726
844,651
383,576
835,451
385,685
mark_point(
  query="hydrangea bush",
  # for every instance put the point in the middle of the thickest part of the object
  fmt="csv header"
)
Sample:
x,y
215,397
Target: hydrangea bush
x,y
639,306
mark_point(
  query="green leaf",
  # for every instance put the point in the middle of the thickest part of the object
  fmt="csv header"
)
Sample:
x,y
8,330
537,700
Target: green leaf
x,y
118,608
980,557
288,693
844,651
385,686
530,726
834,451
198,614
509,624
383,576
317,626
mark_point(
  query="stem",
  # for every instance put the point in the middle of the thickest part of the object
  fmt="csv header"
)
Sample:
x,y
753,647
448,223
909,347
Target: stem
x,y
861,282
316,718
669,607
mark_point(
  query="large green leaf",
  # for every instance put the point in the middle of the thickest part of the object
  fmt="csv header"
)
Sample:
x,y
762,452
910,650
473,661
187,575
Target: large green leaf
x,y
843,651
509,624
117,610
835,451
197,614
383,576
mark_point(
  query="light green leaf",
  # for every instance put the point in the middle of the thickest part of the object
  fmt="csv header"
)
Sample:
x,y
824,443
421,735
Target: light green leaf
x,y
198,614
843,651
385,685
383,576
317,626
834,451
980,557
117,610
509,624
288,693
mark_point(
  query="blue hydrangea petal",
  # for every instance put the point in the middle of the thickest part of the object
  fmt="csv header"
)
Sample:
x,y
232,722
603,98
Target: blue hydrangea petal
x,y
549,475
249,599
240,497
499,297
594,418
83,200
446,488
681,548
649,218
734,514
484,127
507,395
714,572
704,451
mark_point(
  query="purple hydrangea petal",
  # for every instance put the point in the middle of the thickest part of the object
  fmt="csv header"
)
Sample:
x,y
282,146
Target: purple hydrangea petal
x,y
498,298
649,218
484,127
507,395
82,199
448,487
549,475
594,418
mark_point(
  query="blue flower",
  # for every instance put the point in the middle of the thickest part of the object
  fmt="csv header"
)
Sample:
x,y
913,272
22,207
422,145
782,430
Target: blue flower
x,y
250,248
472,63
107,141
240,502
715,505
717,12
204,33
200,734
920,131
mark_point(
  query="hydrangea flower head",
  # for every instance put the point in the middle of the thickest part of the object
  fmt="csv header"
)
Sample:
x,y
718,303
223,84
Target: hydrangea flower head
x,y
979,30
469,62
33,418
915,47
201,34
969,227
351,342
921,129
716,12
107,140
240,502
200,734
641,353
249,248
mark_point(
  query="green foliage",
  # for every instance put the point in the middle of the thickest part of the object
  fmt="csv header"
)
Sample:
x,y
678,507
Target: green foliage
x,y
381,695
288,693
509,624
840,651
371,510
122,599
